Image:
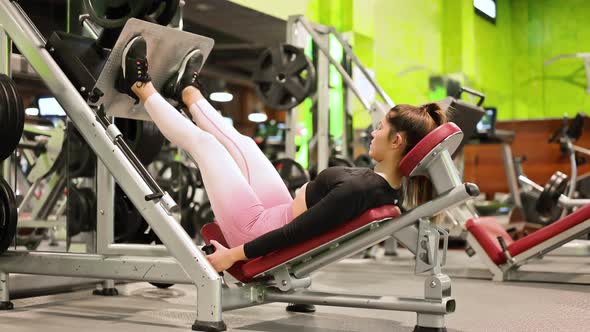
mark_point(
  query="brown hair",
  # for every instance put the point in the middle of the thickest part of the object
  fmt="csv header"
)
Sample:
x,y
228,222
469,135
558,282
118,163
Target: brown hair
x,y
415,122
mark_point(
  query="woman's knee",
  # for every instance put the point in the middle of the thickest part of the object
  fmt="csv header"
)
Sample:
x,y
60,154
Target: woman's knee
x,y
204,137
248,142
197,138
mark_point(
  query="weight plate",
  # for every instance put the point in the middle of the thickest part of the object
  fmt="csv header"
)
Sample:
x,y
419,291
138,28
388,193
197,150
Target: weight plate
x,y
186,221
337,161
81,159
114,14
128,220
8,215
292,173
19,109
332,162
89,221
284,76
179,181
162,12
78,210
583,185
4,115
204,215
364,160
548,200
8,103
143,137
13,117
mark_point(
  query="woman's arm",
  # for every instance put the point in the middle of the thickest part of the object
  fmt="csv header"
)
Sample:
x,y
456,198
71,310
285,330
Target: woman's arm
x,y
338,206
223,258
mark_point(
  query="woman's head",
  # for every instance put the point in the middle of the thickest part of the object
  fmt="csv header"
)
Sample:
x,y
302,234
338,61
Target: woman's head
x,y
402,128
397,134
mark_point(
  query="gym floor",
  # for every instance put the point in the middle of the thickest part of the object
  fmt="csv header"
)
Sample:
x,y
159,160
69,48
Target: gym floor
x,y
482,305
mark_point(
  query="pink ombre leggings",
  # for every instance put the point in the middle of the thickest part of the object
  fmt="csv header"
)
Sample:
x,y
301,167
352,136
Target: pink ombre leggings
x,y
248,197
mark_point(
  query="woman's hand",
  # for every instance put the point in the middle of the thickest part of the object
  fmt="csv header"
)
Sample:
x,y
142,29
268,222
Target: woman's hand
x,y
222,259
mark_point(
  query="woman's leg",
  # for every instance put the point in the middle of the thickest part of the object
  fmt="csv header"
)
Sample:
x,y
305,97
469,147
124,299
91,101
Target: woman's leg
x,y
258,170
236,206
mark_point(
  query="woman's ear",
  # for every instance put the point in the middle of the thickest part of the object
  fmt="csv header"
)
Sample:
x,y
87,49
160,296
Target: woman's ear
x,y
398,141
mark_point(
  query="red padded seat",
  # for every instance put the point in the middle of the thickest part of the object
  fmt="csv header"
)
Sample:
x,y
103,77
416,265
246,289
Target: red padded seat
x,y
426,145
247,271
547,232
486,230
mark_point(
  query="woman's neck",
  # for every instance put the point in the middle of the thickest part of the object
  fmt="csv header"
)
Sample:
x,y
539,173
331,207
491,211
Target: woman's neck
x,y
391,172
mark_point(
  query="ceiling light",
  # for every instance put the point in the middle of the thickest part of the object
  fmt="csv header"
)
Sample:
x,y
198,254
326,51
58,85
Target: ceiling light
x,y
222,97
257,117
32,111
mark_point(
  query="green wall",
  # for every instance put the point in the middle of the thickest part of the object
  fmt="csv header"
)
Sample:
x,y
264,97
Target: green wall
x,y
541,30
485,55
405,42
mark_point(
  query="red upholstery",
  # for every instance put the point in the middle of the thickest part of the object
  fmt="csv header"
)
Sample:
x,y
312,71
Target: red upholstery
x,y
246,271
425,146
547,232
486,230
212,231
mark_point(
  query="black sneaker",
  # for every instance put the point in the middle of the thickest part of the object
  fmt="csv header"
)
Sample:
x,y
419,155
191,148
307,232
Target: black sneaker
x,y
186,75
134,66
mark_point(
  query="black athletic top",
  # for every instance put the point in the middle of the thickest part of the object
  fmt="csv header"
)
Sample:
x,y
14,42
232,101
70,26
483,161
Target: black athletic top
x,y
337,195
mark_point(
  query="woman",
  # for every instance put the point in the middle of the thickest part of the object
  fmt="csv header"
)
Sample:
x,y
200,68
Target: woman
x,y
250,201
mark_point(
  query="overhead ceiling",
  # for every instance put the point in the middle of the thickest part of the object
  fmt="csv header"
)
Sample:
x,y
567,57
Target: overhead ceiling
x,y
240,34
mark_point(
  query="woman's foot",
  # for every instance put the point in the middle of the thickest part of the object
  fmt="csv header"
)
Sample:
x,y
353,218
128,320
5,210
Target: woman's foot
x,y
187,75
134,67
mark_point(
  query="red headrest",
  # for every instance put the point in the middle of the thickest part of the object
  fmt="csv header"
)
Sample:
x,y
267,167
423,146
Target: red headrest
x,y
428,143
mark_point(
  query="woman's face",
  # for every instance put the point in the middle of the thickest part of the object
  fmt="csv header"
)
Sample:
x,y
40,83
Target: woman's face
x,y
380,144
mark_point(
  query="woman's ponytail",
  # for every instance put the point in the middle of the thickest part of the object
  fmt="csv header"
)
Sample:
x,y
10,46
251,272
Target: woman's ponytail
x,y
435,112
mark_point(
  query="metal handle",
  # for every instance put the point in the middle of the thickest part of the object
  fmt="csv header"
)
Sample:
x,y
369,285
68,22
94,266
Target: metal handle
x,y
528,182
445,236
481,96
119,141
502,243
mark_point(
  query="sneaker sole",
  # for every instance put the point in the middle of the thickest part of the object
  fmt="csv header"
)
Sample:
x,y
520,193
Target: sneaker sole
x,y
125,51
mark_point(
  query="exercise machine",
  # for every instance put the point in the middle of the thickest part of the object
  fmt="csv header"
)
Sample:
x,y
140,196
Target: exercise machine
x,y
178,260
284,275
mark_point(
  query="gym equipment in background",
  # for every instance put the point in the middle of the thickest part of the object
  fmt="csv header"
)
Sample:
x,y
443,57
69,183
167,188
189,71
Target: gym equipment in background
x,y
332,162
284,76
585,58
8,215
81,211
143,137
12,116
292,173
180,181
329,108
114,14
543,207
566,136
503,256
